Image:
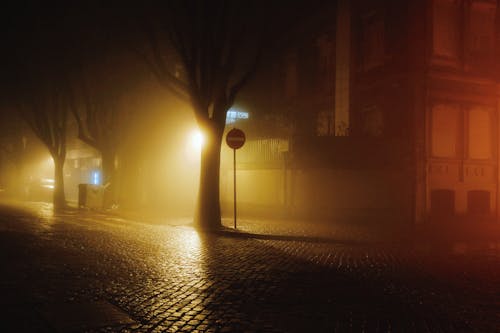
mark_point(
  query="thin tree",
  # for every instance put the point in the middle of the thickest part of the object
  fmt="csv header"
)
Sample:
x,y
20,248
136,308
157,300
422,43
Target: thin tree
x,y
206,51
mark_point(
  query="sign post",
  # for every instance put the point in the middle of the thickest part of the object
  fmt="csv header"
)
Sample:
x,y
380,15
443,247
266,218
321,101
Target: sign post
x,y
235,139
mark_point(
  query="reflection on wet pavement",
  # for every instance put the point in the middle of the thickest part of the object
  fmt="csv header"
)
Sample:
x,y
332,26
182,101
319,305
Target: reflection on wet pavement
x,y
168,278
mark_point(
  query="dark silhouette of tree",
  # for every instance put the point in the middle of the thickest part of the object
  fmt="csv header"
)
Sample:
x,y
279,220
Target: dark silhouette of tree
x,y
46,112
98,120
206,51
100,117
104,75
39,78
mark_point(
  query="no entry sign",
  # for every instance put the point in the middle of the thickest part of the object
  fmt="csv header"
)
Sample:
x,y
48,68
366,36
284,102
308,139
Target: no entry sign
x,y
235,138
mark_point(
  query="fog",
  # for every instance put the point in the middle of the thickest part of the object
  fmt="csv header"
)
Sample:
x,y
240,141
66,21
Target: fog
x,y
157,163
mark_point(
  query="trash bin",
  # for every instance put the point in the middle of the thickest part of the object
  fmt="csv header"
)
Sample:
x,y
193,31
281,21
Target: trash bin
x,y
90,196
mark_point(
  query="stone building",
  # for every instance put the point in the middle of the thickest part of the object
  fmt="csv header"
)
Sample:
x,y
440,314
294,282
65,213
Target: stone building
x,y
392,107
425,72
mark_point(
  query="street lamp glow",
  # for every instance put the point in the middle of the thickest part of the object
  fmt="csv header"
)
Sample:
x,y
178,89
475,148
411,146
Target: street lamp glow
x,y
194,143
196,140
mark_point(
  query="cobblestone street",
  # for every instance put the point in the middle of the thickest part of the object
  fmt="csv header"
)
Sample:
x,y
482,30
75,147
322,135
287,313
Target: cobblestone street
x,y
90,272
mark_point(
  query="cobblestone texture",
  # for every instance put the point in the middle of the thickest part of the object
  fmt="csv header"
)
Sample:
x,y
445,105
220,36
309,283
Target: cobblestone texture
x,y
175,279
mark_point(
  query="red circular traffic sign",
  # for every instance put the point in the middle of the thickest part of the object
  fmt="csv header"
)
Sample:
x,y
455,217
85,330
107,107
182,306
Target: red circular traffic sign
x,y
235,138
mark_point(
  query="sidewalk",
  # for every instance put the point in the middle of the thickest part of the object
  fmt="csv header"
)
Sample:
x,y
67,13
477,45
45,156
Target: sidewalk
x,y
286,229
312,230
336,231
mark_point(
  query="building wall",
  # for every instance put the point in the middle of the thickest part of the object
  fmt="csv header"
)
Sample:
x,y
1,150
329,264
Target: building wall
x,y
423,116
462,145
333,194
461,113
425,72
356,187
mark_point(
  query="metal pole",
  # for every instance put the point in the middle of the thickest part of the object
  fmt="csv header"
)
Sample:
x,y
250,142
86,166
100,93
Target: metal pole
x,y
285,189
234,185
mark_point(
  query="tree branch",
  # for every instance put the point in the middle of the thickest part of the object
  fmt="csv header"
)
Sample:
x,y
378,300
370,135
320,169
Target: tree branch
x,y
236,87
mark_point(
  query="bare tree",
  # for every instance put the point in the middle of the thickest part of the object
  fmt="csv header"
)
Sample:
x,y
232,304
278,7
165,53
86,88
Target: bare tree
x,y
38,77
46,112
100,116
215,48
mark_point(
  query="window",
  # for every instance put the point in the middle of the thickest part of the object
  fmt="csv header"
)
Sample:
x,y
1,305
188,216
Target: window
x,y
480,136
373,121
326,63
481,34
445,126
325,125
373,41
446,28
462,131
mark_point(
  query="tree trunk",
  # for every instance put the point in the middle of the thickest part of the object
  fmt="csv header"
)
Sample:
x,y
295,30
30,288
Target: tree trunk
x,y
208,214
59,199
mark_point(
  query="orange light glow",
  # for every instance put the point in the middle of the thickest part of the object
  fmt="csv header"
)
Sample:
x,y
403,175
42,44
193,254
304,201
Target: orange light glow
x,y
196,140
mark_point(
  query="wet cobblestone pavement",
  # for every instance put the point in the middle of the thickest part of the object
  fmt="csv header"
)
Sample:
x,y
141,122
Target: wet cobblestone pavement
x,y
168,278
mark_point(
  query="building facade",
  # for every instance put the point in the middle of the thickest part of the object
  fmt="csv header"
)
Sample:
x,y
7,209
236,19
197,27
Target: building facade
x,y
393,110
425,75
458,130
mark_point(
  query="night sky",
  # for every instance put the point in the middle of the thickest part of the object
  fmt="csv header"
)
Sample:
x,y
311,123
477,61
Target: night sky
x,y
41,39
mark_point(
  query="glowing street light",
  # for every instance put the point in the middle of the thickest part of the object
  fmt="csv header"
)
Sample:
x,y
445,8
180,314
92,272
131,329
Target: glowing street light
x,y
194,143
196,140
